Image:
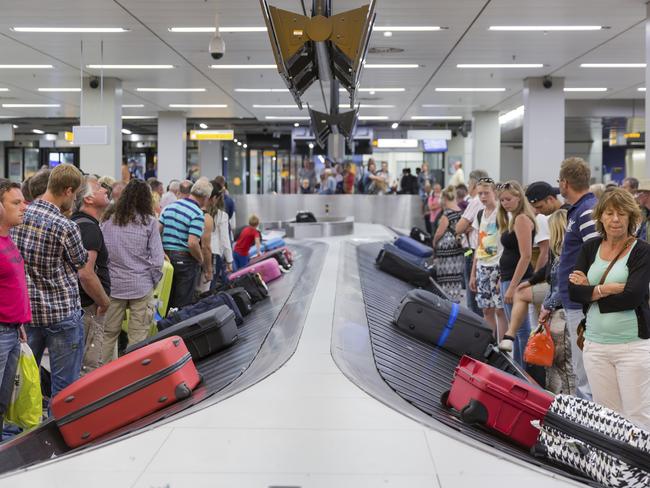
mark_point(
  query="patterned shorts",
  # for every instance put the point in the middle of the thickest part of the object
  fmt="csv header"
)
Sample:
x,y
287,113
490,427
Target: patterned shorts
x,y
488,294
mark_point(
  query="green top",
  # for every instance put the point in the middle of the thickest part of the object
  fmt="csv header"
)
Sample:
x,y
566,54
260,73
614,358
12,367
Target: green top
x,y
615,327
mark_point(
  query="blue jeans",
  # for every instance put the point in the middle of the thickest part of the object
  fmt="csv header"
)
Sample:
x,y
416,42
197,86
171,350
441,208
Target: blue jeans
x,y
470,296
524,331
9,353
65,342
239,261
219,267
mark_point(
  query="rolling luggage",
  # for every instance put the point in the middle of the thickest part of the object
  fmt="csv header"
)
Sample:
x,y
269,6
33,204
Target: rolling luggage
x,y
125,390
414,247
421,236
253,284
269,269
282,255
497,358
242,299
399,264
203,334
209,302
443,323
305,217
268,245
163,288
595,441
499,401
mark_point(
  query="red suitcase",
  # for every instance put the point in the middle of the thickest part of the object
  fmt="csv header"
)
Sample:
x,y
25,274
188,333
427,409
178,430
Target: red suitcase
x,y
269,269
486,395
125,390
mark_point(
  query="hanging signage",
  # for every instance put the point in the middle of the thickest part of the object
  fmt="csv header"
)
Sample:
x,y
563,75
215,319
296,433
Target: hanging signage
x,y
397,143
212,135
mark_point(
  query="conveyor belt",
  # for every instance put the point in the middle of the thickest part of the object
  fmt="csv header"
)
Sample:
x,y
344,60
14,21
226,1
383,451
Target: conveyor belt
x,y
267,339
417,372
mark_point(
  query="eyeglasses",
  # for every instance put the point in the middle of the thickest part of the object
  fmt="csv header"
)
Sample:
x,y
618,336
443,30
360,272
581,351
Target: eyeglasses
x,y
486,180
108,189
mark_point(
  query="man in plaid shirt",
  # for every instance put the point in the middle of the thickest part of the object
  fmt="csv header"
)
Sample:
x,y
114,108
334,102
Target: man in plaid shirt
x,y
53,252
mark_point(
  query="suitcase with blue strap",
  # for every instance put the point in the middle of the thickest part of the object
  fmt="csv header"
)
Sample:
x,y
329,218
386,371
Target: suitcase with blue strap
x,y
443,323
268,245
414,247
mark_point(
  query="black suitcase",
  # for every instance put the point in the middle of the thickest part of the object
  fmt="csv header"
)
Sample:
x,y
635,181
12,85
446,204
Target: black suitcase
x,y
304,216
203,334
421,236
500,360
443,323
253,284
242,299
206,303
401,265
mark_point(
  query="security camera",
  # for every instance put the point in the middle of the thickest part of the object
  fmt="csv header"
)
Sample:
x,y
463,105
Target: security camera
x,y
547,82
94,83
217,47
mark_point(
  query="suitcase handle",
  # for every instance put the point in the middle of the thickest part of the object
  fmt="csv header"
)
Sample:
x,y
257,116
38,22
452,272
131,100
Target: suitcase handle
x,y
519,391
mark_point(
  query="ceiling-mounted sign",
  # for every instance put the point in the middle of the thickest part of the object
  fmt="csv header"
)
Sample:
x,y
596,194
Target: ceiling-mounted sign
x,y
397,143
90,134
68,136
429,134
212,135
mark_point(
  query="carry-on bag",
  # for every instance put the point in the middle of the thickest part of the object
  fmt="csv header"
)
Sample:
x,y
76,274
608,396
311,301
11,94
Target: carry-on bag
x,y
497,358
484,395
242,299
421,236
163,289
269,269
204,334
125,390
596,441
414,247
443,323
407,268
209,302
282,255
305,217
253,284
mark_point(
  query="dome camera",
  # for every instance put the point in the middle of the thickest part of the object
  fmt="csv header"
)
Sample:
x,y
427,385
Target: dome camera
x,y
94,83
217,47
547,82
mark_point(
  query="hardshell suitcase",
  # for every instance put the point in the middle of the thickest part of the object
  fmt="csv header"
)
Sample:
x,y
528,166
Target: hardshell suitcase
x,y
269,269
421,236
414,247
595,441
242,299
124,391
206,303
268,245
497,358
282,255
405,268
305,217
163,289
485,395
443,323
203,334
253,284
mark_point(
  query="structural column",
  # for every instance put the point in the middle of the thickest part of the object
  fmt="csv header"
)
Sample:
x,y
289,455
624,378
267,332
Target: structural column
x,y
596,151
172,146
647,77
543,129
210,158
486,152
102,107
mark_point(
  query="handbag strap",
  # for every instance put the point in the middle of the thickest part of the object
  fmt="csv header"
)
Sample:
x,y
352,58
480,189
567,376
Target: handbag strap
x,y
613,262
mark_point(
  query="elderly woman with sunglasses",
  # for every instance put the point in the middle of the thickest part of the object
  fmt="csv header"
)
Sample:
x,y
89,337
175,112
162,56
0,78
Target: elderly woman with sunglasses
x,y
611,280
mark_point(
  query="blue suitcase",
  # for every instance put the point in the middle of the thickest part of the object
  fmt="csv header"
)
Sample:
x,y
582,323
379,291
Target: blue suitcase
x,y
414,247
268,245
407,256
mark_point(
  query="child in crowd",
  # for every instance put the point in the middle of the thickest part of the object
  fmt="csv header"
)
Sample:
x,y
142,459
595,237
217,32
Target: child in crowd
x,y
435,207
249,236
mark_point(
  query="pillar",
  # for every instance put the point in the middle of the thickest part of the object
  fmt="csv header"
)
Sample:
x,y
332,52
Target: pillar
x,y
543,129
596,151
210,158
647,77
103,107
486,152
172,146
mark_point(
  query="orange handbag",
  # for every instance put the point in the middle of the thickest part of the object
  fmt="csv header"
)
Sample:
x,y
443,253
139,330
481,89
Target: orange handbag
x,y
540,348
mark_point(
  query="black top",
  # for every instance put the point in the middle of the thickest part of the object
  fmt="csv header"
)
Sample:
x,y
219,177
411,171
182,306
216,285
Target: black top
x,y
510,256
635,294
93,240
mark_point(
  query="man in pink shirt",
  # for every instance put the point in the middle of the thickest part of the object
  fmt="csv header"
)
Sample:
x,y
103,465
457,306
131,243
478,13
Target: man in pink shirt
x,y
14,306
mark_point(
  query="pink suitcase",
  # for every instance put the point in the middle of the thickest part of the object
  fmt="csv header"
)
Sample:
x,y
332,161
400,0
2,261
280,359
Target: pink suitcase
x,y
269,269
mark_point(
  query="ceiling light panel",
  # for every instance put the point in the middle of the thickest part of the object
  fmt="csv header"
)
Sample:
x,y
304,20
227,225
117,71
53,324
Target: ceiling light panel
x,y
126,132
406,28
59,90
437,117
4,89
469,90
285,117
197,105
171,90
38,131
276,106
499,65
373,117
613,65
26,66
130,66
382,28
262,90
641,89
30,105
243,66
366,105
586,89
66,30
136,105
138,117
378,90
391,66
545,28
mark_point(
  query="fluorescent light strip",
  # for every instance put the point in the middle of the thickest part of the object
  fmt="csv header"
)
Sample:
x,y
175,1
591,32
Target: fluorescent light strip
x,y
138,117
366,105
406,28
545,28
383,28
286,117
613,65
641,89
378,90
30,105
56,90
130,66
243,66
4,89
276,106
500,65
137,105
391,66
26,66
437,117
197,105
512,115
373,117
263,90
585,89
61,30
203,125
470,89
38,131
126,132
436,105
164,90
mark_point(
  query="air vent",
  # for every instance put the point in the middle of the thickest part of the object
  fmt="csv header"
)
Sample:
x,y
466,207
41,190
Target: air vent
x,y
385,50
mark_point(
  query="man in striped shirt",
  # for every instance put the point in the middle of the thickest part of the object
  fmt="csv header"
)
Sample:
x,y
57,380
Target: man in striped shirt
x,y
181,225
574,187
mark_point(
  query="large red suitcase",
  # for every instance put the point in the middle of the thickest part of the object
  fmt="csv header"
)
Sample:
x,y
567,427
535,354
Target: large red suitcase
x,y
125,390
486,395
269,269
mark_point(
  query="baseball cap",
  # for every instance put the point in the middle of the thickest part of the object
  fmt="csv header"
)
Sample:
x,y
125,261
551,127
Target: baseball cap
x,y
539,190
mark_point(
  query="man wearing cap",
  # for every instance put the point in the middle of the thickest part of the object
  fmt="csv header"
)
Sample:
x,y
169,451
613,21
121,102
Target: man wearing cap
x,y
543,198
643,197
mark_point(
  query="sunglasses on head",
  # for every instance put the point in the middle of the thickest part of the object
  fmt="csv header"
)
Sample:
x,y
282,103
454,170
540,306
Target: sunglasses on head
x,y
504,186
486,180
108,188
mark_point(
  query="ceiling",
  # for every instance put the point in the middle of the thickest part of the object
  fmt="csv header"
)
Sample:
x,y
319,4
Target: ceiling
x,y
464,39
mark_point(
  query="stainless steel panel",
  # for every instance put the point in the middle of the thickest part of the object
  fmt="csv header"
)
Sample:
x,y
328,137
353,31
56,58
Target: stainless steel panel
x,y
322,228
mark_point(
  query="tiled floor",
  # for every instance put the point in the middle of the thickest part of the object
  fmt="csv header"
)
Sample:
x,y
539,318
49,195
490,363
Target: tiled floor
x,y
304,426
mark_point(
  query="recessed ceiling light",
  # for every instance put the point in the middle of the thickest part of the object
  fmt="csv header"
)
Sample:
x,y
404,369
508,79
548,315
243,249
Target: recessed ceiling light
x,y
197,105
239,143
203,125
585,89
641,89
30,105
366,105
285,117
407,28
105,30
26,66
138,117
388,34
613,65
500,65
264,90
311,145
436,117
55,90
243,66
170,89
15,126
373,117
137,105
245,146
394,125
276,106
213,29
296,124
126,132
234,140
470,89
391,66
38,131
130,66
546,28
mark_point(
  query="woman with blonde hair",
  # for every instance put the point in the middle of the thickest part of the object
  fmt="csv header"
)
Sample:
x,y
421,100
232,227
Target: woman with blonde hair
x,y
516,222
449,261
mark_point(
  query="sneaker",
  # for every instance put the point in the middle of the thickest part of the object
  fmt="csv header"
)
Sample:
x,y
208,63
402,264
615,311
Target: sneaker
x,y
506,344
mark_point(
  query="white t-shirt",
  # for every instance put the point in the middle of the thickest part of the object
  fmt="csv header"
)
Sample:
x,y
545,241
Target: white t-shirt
x,y
470,213
488,249
542,233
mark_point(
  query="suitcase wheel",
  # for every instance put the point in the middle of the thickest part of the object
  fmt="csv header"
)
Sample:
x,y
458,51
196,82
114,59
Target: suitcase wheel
x,y
444,398
474,413
182,391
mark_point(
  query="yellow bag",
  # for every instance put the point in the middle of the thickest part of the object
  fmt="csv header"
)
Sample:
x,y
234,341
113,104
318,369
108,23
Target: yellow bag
x,y
26,406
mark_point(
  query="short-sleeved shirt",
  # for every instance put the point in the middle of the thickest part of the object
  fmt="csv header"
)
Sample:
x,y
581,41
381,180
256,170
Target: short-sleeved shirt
x,y
14,306
542,234
488,249
93,240
246,240
470,214
180,220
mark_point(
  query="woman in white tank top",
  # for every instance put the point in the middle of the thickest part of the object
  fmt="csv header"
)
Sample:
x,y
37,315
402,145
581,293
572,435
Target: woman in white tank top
x,y
221,245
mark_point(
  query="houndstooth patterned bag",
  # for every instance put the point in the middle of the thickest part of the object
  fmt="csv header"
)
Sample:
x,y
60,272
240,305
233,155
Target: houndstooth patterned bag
x,y
597,442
